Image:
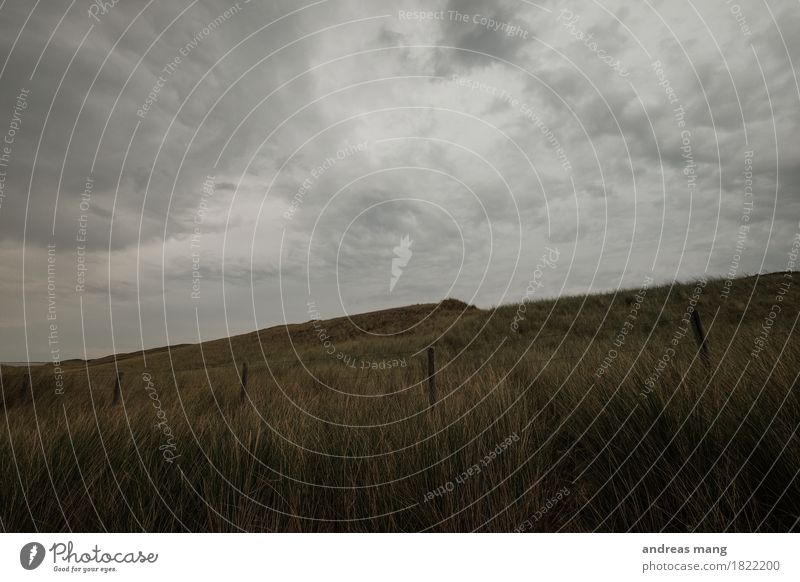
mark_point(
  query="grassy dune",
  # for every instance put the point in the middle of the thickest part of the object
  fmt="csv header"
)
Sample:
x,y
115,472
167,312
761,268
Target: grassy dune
x,y
526,434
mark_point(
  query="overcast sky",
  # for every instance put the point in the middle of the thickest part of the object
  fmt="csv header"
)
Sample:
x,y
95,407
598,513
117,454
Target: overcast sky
x,y
247,158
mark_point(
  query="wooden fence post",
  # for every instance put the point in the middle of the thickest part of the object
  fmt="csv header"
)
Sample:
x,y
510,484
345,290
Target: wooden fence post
x,y
700,337
117,388
243,389
432,375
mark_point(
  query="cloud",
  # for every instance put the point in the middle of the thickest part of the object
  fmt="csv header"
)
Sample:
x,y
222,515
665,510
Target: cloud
x,y
330,131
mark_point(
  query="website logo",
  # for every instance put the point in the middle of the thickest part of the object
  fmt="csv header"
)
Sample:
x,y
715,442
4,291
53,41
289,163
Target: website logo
x,y
31,555
402,256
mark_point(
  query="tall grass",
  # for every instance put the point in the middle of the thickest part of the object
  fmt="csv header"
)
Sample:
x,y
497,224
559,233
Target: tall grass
x,y
332,448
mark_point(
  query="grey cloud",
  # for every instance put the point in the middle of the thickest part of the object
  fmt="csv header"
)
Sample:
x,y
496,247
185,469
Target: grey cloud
x,y
161,183
480,43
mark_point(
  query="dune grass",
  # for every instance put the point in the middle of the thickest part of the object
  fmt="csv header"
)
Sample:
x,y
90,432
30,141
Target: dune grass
x,y
526,435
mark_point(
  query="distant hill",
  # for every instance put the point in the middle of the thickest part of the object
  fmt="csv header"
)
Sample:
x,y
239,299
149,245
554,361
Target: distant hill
x,y
603,397
450,322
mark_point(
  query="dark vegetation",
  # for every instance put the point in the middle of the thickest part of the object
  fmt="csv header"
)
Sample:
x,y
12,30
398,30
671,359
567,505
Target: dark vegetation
x,y
316,444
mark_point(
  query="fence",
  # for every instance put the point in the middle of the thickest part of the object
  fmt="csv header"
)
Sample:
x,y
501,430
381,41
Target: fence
x,y
431,371
430,377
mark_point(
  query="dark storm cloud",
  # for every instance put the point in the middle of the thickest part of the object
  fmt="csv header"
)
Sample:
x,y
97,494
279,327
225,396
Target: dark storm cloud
x,y
129,75
477,28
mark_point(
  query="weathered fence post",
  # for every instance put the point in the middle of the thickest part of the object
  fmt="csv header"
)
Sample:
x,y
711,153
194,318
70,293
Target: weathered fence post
x,y
700,337
243,389
117,388
432,375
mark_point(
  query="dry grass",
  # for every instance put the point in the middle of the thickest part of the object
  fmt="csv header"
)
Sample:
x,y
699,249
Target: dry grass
x,y
710,449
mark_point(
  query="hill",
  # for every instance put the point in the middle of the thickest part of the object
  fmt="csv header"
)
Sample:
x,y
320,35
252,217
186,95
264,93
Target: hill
x,y
600,409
